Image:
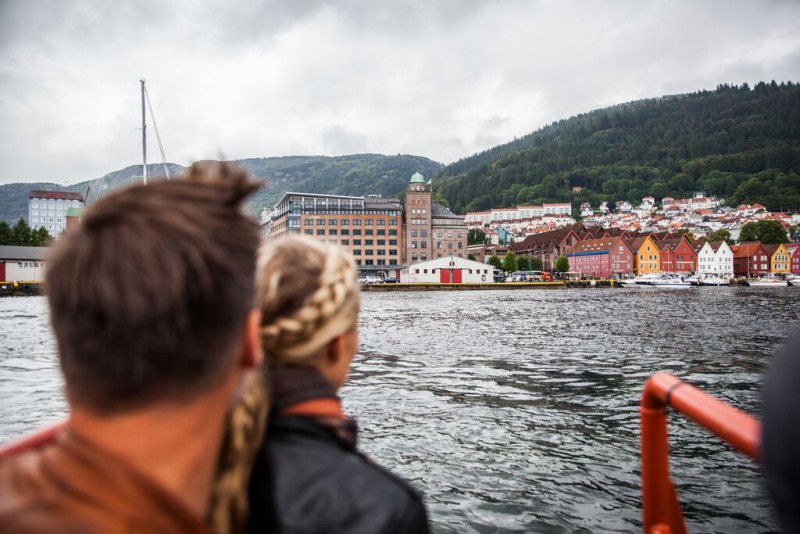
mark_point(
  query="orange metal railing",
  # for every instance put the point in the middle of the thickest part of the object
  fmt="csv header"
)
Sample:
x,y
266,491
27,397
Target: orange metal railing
x,y
660,505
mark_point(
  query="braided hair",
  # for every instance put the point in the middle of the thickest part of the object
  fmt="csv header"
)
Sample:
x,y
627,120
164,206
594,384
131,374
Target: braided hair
x,y
308,295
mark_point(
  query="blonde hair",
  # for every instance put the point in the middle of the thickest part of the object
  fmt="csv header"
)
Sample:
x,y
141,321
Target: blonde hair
x,y
308,295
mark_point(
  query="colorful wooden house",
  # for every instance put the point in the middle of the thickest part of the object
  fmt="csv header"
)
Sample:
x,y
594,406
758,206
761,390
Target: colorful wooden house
x,y
779,258
647,256
750,259
601,258
678,255
715,258
794,263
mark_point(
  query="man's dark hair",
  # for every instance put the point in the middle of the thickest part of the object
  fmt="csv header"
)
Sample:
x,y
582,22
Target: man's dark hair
x,y
149,295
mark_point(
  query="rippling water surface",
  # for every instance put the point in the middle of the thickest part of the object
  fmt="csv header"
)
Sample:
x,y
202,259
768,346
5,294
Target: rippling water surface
x,y
518,410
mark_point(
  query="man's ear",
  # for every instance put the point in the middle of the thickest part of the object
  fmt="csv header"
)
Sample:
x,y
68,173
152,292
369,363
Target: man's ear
x,y
252,354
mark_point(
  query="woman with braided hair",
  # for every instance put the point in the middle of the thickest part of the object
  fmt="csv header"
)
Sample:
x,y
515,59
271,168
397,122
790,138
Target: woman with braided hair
x,y
308,475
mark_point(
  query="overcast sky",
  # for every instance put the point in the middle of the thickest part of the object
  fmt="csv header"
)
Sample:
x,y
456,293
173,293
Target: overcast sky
x,y
437,78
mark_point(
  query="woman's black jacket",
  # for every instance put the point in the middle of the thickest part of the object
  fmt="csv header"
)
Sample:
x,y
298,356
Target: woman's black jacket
x,y
308,479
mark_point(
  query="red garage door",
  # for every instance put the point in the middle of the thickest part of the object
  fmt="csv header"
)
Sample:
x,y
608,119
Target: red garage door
x,y
444,276
457,276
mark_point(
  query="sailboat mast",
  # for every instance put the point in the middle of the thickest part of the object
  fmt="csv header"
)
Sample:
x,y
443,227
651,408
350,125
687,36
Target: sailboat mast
x,y
144,138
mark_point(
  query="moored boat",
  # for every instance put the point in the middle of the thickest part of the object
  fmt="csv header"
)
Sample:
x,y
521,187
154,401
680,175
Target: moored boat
x,y
767,280
665,280
709,280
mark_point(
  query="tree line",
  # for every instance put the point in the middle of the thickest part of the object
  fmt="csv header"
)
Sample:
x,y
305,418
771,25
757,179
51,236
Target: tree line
x,y
735,142
21,234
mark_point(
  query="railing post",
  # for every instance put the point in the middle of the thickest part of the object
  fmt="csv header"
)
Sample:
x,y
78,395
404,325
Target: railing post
x,y
661,509
660,506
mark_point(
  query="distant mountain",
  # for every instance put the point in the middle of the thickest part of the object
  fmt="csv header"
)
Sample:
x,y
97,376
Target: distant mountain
x,y
736,142
360,174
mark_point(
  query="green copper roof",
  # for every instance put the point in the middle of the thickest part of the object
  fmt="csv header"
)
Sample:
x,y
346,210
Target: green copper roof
x,y
417,178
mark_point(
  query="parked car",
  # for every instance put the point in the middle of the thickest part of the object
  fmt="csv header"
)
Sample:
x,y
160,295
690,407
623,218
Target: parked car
x,y
369,280
390,280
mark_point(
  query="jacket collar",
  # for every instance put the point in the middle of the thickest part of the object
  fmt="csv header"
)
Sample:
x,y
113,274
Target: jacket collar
x,y
84,469
304,392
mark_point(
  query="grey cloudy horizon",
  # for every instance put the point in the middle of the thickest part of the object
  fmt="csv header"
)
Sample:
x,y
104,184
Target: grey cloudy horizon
x,y
441,79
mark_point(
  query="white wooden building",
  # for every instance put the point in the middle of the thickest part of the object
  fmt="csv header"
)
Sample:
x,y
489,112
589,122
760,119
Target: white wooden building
x,y
448,270
22,264
715,257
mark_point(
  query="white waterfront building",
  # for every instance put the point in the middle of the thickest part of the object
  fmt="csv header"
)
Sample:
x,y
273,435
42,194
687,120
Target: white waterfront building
x,y
49,209
450,269
716,258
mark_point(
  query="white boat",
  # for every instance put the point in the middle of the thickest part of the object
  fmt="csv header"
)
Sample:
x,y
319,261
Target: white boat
x,y
668,280
708,279
767,280
714,280
637,281
793,280
656,280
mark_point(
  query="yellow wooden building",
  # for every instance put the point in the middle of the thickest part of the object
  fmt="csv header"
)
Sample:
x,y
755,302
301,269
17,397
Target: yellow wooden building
x,y
779,258
646,255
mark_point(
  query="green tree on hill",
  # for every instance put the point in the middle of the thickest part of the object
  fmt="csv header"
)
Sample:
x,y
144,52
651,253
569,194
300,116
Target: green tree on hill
x,y
721,235
768,232
476,236
510,264
562,264
525,263
5,233
22,235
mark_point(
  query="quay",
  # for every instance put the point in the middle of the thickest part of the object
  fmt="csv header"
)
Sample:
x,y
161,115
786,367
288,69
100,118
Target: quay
x,y
20,289
499,286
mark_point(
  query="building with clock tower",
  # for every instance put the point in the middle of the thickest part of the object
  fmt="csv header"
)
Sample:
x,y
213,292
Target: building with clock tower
x,y
431,230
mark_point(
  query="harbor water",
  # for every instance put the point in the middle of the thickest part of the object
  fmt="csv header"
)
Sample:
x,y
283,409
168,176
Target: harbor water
x,y
517,411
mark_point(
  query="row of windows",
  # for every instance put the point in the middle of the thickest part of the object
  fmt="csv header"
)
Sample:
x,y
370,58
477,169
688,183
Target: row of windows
x,y
371,252
379,262
423,232
424,244
343,231
346,222
424,256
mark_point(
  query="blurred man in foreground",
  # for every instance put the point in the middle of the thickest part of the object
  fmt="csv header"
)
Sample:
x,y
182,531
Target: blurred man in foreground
x,y
152,304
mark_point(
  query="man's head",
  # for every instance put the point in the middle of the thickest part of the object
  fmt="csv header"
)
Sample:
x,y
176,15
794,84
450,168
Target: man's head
x,y
150,295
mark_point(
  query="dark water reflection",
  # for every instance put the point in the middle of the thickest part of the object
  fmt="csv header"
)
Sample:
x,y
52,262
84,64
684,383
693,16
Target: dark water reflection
x,y
518,411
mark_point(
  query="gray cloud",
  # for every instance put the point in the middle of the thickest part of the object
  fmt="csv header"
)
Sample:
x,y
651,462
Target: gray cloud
x,y
440,79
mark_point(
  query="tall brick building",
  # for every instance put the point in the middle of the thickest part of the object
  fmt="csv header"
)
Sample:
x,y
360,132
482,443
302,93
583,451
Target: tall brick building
x,y
380,233
431,230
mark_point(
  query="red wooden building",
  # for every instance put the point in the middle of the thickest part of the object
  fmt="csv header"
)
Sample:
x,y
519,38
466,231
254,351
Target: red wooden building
x,y
678,255
601,258
750,259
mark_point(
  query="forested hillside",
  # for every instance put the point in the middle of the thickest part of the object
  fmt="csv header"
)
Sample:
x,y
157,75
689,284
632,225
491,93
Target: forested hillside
x,y
361,174
737,142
